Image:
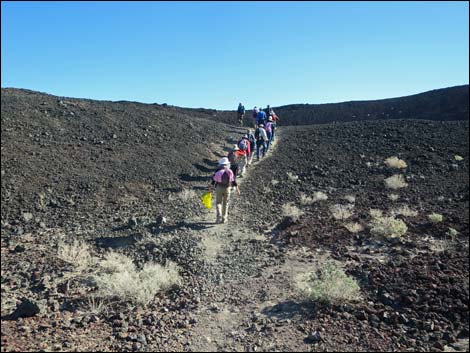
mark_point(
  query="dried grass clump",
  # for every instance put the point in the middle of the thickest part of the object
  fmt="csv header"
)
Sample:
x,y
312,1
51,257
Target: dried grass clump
x,y
388,227
350,198
118,277
354,227
395,162
274,182
404,211
329,284
77,254
341,212
435,218
395,182
292,177
393,197
292,211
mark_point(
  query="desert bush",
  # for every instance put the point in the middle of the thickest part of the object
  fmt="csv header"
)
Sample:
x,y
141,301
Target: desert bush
x,y
117,277
452,233
292,177
354,227
404,211
341,212
388,227
306,200
395,182
393,197
350,198
319,196
435,218
77,254
395,162
375,213
328,284
292,211
274,182
114,262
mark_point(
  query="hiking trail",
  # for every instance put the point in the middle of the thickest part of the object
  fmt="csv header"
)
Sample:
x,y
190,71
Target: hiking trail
x,y
238,305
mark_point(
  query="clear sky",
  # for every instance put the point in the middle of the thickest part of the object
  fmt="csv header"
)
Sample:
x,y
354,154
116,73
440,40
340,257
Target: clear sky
x,y
217,54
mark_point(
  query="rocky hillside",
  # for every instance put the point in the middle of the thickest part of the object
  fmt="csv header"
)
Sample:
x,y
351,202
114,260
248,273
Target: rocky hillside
x,y
441,104
64,158
125,178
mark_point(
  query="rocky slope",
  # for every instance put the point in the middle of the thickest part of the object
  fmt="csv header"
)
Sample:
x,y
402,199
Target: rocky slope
x,y
106,173
441,104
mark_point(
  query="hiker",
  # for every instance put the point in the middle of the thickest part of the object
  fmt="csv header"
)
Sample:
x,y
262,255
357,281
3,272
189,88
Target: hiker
x,y
261,118
241,113
237,159
269,132
252,140
261,138
245,145
268,110
274,125
254,115
224,180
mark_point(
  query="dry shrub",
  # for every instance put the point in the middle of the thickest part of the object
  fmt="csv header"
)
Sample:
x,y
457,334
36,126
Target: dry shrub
x,y
404,211
435,218
395,162
274,182
118,277
292,177
77,254
395,182
388,227
350,198
354,227
375,213
341,212
292,211
329,284
393,197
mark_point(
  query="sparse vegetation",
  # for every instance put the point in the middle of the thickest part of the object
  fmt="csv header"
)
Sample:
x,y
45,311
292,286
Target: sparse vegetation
x,y
117,277
404,211
350,198
435,218
341,212
274,182
308,200
393,197
388,227
396,181
292,211
77,254
452,233
395,162
354,227
292,177
328,284
375,213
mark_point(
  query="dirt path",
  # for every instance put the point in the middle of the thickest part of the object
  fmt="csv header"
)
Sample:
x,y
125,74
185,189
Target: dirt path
x,y
237,306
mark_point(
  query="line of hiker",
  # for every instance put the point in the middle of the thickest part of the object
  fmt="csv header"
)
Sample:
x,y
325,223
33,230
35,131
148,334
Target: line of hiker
x,y
241,156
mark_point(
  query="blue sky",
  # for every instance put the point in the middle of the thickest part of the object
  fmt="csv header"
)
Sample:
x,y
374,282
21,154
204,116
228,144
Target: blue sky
x,y
216,54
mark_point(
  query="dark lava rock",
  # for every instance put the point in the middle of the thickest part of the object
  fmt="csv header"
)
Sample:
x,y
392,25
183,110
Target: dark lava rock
x,y
26,308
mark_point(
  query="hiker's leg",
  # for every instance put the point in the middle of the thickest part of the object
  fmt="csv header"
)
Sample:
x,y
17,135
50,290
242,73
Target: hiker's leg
x,y
226,196
258,146
219,195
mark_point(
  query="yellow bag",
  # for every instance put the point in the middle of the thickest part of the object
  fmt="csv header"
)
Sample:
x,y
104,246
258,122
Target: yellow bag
x,y
207,199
